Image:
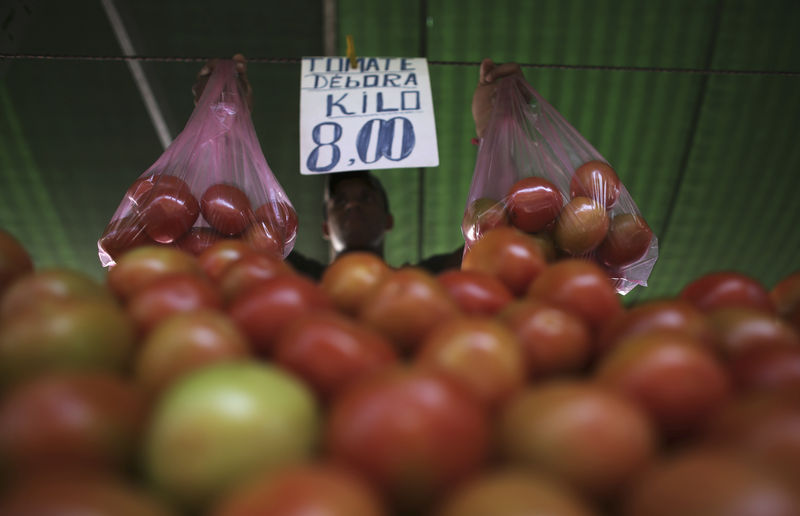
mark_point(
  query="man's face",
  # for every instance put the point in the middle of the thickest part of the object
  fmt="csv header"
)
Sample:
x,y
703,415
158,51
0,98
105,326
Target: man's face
x,y
357,216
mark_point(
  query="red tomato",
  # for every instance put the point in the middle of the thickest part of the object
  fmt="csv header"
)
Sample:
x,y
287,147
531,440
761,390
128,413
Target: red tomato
x,y
785,296
482,216
226,208
178,292
406,306
47,285
280,218
14,260
581,226
554,341
302,490
660,314
768,369
184,342
588,437
508,254
597,181
727,288
76,420
628,239
169,210
329,350
476,292
269,306
72,334
142,265
671,375
412,433
533,204
480,353
709,483
198,239
220,254
761,426
349,279
581,287
264,239
742,329
514,492
247,272
71,493
121,236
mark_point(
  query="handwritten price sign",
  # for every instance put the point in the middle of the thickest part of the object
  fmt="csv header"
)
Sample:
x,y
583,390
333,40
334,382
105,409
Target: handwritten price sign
x,y
378,115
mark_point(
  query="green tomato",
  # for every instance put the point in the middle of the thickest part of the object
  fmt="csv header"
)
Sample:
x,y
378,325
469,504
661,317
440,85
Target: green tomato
x,y
217,425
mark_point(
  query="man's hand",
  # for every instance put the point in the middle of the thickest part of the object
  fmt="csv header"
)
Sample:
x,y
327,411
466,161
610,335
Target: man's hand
x,y
205,73
483,98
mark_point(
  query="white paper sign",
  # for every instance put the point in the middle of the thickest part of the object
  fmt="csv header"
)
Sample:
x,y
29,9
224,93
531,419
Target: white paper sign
x,y
378,115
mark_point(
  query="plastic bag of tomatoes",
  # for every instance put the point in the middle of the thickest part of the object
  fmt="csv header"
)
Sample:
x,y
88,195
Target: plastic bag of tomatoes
x,y
536,172
211,183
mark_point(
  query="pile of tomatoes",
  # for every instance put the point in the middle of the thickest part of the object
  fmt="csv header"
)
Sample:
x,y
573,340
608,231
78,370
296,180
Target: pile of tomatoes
x,y
226,383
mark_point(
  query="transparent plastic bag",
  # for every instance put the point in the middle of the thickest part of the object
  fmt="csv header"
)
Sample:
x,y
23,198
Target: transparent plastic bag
x,y
212,183
536,172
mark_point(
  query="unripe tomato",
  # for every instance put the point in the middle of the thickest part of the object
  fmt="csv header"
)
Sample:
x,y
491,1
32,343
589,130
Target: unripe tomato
x,y
581,226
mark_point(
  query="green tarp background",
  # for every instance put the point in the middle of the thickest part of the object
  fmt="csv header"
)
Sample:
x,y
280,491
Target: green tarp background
x,y
712,159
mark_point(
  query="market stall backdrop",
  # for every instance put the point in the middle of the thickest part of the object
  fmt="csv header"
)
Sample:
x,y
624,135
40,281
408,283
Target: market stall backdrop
x,y
695,102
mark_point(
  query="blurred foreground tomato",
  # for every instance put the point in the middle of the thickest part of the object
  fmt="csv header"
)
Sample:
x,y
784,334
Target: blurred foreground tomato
x,y
589,437
216,258
727,289
475,292
553,341
741,330
70,420
247,272
171,294
412,433
508,254
66,335
785,296
145,264
217,425
329,350
675,379
351,277
480,353
581,287
52,284
302,490
14,259
514,492
699,482
184,342
406,306
78,493
269,306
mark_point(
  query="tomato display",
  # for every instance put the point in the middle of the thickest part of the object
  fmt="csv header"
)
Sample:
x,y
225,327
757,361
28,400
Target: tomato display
x,y
212,376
